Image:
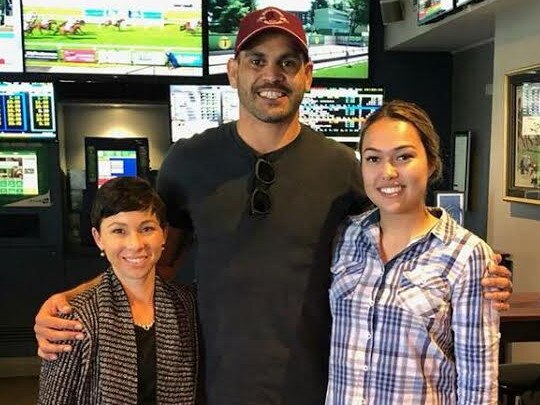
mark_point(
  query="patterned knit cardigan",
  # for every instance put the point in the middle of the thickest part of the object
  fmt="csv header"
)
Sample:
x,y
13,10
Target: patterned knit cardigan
x,y
102,368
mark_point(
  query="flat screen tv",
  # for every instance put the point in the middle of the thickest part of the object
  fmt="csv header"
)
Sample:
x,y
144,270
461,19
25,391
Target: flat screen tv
x,y
433,10
337,112
197,108
117,37
337,32
11,59
27,110
107,158
24,174
460,3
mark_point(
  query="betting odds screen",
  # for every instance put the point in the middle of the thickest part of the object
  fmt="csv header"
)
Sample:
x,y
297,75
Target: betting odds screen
x,y
27,110
337,112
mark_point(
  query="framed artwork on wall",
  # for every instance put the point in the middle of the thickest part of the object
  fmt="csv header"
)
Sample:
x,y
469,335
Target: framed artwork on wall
x,y
522,157
454,204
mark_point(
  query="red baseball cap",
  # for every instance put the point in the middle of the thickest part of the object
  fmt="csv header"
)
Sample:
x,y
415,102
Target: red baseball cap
x,y
259,21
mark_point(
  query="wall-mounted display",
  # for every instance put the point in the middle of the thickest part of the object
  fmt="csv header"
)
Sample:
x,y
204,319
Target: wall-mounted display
x,y
337,112
11,59
337,33
433,10
523,136
27,110
197,108
460,3
118,37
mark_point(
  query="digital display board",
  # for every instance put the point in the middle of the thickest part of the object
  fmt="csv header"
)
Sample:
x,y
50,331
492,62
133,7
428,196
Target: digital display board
x,y
337,33
27,110
11,59
337,112
160,37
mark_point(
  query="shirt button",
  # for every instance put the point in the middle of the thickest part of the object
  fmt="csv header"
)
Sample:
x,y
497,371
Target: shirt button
x,y
366,368
368,335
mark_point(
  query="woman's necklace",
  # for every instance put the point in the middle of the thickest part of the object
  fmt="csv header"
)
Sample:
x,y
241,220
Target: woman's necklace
x,y
145,326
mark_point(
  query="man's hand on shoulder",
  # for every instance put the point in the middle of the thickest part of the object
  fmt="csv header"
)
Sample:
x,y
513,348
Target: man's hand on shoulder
x,y
498,284
50,328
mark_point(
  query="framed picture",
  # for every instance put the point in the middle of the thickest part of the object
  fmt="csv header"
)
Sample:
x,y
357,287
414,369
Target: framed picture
x,y
522,156
454,204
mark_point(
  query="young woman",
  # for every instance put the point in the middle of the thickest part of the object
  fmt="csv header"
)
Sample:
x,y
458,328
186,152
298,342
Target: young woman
x,y
410,325
141,335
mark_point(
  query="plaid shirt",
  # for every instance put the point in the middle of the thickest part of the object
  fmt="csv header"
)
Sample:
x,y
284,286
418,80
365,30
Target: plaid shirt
x,y
416,329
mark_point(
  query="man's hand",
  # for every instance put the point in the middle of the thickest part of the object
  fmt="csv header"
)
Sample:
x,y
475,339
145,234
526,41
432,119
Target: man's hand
x,y
498,284
49,328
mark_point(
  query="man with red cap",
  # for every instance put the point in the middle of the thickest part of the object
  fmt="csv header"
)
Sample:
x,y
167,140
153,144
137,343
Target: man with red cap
x,y
261,198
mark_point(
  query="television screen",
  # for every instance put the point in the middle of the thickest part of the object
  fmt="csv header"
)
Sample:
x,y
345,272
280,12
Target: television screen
x,y
464,2
197,108
24,174
27,110
337,112
116,163
11,59
337,33
107,158
161,37
432,10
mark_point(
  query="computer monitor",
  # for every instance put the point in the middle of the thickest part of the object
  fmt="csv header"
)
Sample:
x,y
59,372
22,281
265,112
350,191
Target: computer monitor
x,y
107,158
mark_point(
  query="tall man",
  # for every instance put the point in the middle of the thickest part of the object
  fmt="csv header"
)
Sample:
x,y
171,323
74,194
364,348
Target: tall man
x,y
263,198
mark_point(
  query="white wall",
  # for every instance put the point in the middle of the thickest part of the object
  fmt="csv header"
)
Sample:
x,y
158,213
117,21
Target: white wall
x,y
123,120
514,227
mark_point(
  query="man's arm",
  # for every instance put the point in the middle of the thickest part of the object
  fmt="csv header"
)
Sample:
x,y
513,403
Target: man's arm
x,y
498,284
50,328
172,253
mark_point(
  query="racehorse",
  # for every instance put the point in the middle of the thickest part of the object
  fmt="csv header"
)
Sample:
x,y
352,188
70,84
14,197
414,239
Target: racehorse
x,y
119,23
71,27
42,25
190,26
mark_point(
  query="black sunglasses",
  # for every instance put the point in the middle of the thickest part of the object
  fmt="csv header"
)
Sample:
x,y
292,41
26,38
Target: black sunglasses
x,y
259,201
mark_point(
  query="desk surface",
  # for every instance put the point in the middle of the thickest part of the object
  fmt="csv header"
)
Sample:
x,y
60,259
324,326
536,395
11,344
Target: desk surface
x,y
523,306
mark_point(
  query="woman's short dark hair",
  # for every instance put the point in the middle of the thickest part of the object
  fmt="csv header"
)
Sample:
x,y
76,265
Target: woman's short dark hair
x,y
417,117
124,194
